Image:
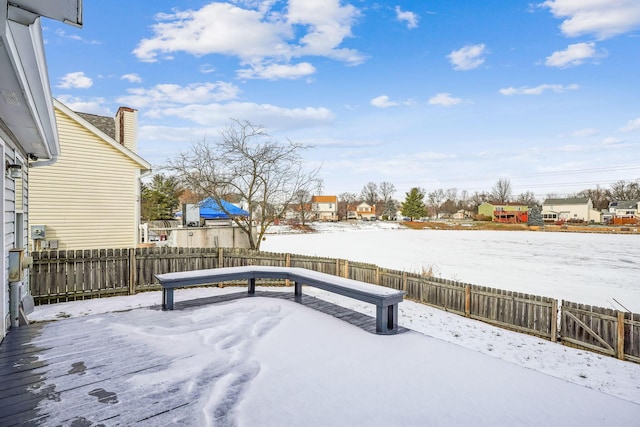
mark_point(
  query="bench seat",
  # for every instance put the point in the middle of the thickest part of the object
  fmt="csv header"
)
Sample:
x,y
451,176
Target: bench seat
x,y
385,299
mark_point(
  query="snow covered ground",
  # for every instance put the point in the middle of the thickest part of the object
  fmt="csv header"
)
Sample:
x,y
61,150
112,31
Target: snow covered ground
x,y
302,367
595,269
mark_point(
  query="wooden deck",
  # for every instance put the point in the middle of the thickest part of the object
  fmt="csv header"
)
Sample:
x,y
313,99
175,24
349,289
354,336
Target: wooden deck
x,y
93,371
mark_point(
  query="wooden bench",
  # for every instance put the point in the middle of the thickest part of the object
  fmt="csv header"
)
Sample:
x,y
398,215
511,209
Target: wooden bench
x,y
385,299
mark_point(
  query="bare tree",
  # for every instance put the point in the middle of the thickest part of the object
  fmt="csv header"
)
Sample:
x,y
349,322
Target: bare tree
x,y
247,164
370,194
464,201
623,190
476,200
501,191
387,190
301,202
435,199
600,197
345,201
527,198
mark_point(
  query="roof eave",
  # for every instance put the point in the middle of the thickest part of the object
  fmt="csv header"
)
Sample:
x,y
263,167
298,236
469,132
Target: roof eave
x,y
26,107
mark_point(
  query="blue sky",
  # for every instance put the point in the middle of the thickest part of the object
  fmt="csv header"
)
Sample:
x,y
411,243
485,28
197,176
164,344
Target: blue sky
x,y
434,94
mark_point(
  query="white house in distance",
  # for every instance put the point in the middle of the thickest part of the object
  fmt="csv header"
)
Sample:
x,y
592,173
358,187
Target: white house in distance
x,y
570,209
324,208
365,211
28,133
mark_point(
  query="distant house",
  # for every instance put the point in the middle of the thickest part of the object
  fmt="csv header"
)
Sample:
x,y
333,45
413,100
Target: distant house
x,y
507,213
462,214
570,209
365,211
324,208
28,137
91,197
623,212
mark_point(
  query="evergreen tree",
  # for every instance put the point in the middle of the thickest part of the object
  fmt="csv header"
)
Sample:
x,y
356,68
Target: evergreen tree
x,y
160,197
413,206
535,217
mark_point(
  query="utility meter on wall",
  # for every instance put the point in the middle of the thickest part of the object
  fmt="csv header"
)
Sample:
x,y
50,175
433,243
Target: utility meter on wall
x,y
37,232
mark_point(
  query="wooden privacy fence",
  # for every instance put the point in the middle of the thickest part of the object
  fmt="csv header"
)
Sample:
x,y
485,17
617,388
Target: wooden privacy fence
x,y
58,276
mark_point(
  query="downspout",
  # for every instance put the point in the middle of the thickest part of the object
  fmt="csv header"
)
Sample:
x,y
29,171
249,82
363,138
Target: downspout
x,y
40,163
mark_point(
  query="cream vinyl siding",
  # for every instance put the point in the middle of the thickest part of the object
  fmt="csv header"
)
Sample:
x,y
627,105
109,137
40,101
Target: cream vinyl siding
x,y
127,126
88,198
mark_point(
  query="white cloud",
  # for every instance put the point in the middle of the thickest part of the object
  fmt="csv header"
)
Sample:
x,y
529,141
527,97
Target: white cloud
x,y
257,34
409,17
75,80
383,101
171,94
206,69
583,133
538,90
92,105
218,114
631,125
467,58
602,18
575,54
570,148
132,77
444,99
63,34
612,140
277,71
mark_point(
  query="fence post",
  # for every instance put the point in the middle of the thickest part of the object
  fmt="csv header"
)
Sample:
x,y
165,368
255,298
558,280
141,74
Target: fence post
x,y
467,300
132,271
287,263
346,269
220,257
404,281
554,321
620,341
377,275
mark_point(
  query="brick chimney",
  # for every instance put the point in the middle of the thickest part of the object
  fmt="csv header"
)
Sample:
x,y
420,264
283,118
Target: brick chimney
x,y
127,127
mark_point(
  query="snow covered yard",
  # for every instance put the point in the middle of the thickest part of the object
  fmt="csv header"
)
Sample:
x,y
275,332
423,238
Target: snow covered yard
x,y
595,269
272,362
268,361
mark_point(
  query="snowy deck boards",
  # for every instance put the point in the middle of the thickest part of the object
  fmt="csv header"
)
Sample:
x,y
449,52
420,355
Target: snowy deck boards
x,y
93,370
386,300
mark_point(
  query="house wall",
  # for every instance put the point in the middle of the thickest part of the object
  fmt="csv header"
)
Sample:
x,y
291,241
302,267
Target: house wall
x,y
365,211
13,225
325,211
584,212
486,209
89,197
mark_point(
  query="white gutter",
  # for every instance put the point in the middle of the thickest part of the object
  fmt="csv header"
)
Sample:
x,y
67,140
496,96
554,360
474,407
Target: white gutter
x,y
49,162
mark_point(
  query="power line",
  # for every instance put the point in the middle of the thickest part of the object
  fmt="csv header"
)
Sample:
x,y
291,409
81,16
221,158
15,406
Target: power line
x,y
545,174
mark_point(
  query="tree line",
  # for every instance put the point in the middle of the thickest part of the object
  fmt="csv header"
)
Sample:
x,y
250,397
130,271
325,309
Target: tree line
x,y
246,164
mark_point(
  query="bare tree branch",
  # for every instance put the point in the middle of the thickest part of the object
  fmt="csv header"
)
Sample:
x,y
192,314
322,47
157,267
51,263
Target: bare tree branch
x,y
246,165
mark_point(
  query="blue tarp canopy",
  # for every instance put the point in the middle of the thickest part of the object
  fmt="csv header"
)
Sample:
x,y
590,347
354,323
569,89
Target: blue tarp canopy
x,y
209,209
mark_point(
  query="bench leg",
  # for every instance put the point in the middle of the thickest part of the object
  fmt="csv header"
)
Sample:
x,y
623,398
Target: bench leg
x,y
167,298
297,290
387,319
252,286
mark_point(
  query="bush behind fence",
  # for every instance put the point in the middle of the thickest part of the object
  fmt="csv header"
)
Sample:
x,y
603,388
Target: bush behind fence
x,y
58,276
